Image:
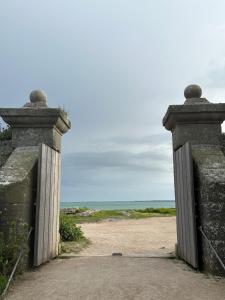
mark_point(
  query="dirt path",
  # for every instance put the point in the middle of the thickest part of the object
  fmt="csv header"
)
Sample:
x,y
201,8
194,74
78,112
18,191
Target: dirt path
x,y
116,278
120,278
142,237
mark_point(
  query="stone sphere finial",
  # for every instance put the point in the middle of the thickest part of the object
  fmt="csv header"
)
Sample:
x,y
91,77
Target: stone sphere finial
x,y
192,91
38,96
38,99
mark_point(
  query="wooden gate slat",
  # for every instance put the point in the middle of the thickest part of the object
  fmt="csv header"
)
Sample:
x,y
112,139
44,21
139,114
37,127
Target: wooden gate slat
x,y
55,205
52,227
185,204
40,204
58,165
47,208
192,215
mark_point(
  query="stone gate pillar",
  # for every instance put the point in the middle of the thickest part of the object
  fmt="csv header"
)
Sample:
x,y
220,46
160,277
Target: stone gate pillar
x,y
36,123
32,125
199,122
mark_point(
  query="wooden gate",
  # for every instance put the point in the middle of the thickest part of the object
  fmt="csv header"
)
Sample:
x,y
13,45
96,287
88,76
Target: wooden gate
x,y
47,206
185,205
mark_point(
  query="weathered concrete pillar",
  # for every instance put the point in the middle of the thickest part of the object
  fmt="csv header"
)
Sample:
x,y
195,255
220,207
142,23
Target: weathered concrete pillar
x,y
36,123
199,122
32,125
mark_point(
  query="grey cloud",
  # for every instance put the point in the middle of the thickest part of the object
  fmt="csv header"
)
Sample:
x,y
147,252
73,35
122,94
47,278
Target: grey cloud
x,y
153,139
116,66
144,161
216,77
121,170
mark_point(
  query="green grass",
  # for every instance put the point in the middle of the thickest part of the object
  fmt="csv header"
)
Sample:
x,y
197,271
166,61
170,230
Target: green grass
x,y
9,252
122,214
72,236
3,282
74,247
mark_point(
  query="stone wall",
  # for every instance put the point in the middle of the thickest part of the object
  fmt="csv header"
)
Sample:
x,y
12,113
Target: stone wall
x,y
198,122
6,149
31,126
209,181
18,186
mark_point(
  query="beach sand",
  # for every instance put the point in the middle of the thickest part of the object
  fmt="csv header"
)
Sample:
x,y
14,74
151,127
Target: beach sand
x,y
154,236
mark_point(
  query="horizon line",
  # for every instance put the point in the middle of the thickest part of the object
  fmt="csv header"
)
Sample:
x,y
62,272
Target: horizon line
x,y
120,201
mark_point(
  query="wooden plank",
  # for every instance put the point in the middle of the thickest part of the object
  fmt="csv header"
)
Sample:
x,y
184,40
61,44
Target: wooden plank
x,y
51,203
189,216
177,199
181,213
36,231
58,201
185,204
176,196
192,216
39,226
184,201
52,206
47,210
55,195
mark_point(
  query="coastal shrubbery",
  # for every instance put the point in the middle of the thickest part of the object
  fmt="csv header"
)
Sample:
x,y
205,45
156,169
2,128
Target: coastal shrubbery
x,y
99,215
68,230
3,282
163,210
9,253
5,133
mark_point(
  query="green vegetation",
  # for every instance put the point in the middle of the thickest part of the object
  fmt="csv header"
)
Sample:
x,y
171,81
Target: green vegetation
x,y
6,134
163,211
72,237
97,216
74,247
3,282
68,230
9,252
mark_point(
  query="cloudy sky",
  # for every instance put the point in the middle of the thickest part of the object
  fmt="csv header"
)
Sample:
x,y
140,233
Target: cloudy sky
x,y
115,66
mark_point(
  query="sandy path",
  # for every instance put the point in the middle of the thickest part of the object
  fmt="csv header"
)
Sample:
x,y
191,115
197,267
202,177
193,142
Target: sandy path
x,y
120,278
116,278
143,237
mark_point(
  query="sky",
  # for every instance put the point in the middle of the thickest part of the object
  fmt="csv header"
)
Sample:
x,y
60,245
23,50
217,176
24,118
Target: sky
x,y
114,66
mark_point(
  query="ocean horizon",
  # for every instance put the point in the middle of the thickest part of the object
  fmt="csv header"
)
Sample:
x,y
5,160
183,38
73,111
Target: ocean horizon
x,y
107,205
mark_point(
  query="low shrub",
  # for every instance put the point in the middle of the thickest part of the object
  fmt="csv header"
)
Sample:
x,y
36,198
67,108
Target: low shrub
x,y
6,134
9,252
3,282
163,210
69,231
73,210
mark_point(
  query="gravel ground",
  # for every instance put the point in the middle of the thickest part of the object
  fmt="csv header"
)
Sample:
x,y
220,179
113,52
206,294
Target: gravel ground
x,y
95,277
116,278
143,237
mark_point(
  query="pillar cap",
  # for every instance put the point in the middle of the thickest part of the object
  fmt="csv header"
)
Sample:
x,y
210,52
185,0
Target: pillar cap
x,y
193,93
38,99
36,114
195,110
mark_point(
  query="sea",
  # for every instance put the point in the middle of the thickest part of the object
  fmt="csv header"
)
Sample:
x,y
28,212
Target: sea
x,y
108,205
